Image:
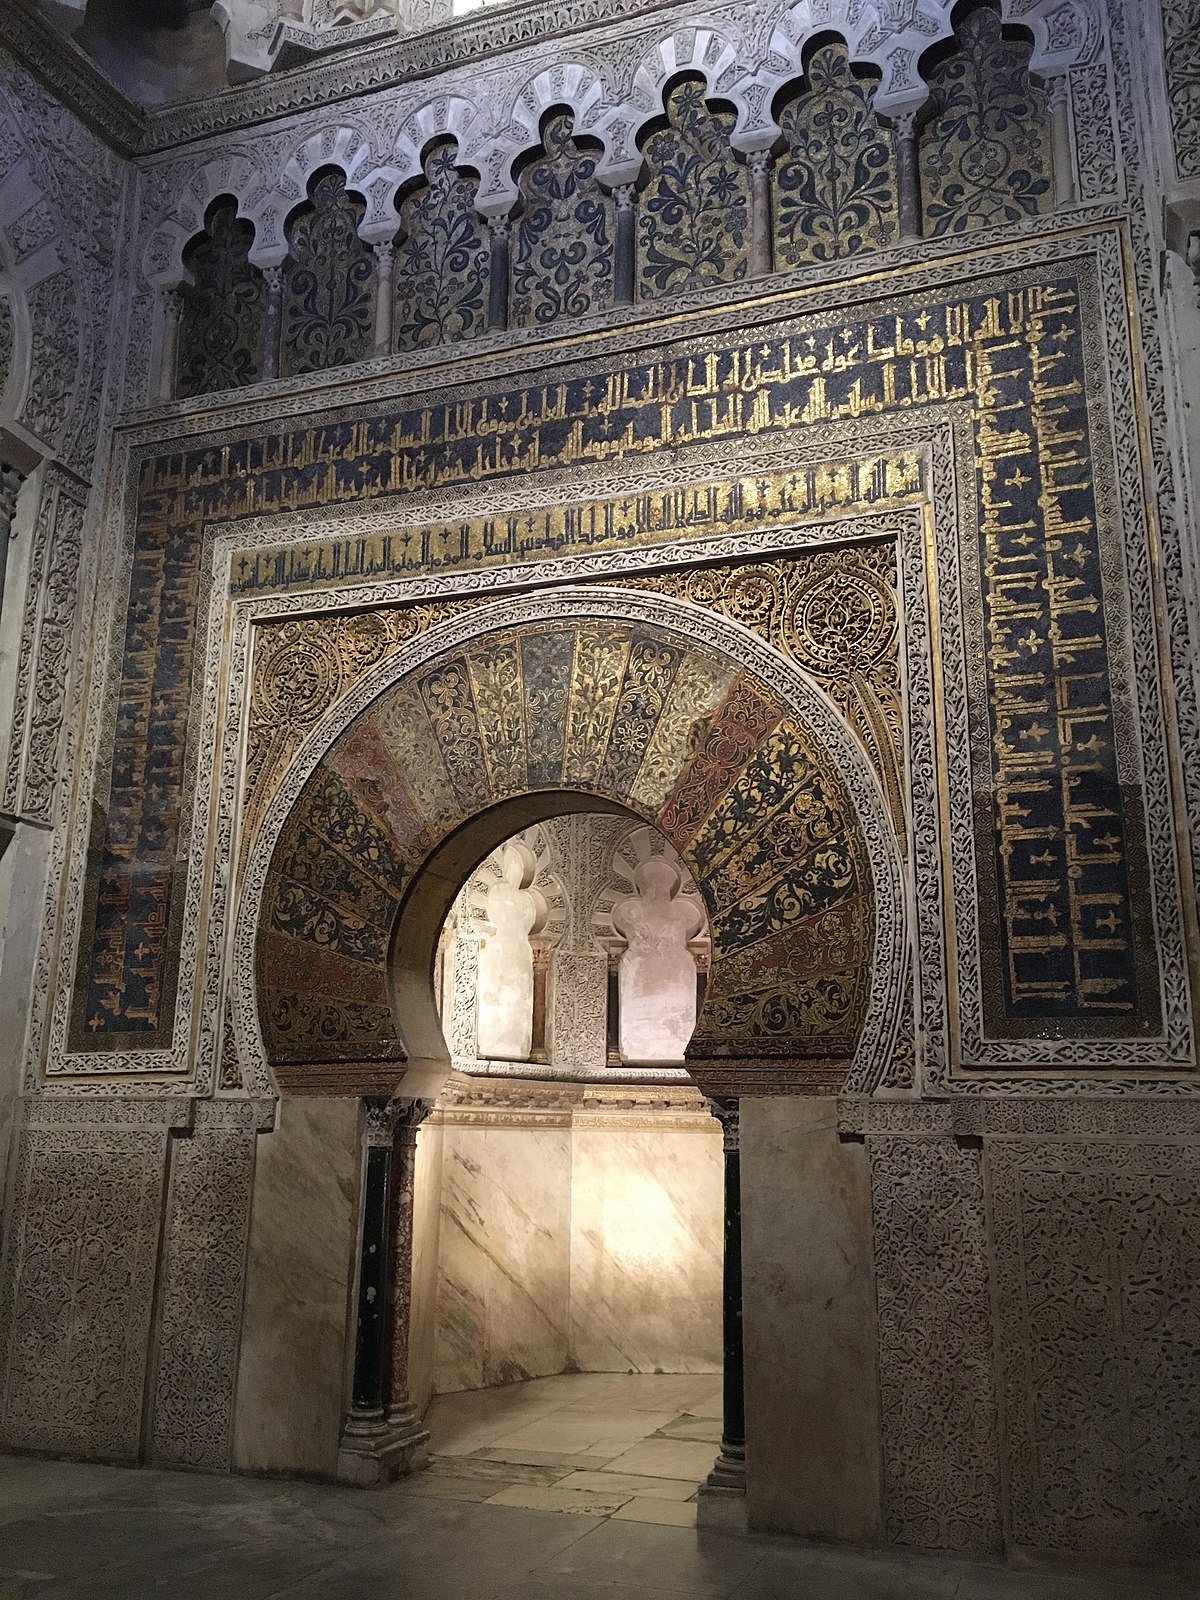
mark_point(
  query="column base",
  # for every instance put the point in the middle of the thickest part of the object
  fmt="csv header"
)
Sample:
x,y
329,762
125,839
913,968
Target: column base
x,y
721,1503
375,1453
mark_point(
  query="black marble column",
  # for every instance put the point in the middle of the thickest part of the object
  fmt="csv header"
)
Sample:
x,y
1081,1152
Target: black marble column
x,y
728,1475
381,1438
612,1011
371,1325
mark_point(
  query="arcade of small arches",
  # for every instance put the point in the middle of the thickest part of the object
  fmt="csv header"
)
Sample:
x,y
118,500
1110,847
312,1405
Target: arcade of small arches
x,y
371,262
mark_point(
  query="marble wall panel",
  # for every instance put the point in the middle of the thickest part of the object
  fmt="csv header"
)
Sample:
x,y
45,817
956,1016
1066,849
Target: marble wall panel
x,y
504,1257
427,1211
646,1246
812,1404
303,1222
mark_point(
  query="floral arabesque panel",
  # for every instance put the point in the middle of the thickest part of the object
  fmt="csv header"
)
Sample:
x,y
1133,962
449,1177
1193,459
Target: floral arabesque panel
x,y
562,262
835,187
224,308
694,212
985,152
329,300
443,260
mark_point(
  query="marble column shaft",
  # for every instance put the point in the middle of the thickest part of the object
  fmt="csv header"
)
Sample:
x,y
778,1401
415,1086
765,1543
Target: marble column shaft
x,y
1060,141
273,326
410,1115
10,487
541,972
761,252
498,274
908,175
370,1332
729,1473
168,367
612,1013
624,253
385,256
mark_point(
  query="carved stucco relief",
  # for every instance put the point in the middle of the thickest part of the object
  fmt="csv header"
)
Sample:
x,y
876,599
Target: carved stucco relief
x,y
1097,1250
941,1472
79,1282
201,1295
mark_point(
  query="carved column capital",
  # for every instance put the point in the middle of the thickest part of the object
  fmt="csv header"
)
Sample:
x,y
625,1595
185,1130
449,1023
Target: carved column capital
x,y
379,1122
1058,91
408,1115
273,278
728,1114
759,163
625,196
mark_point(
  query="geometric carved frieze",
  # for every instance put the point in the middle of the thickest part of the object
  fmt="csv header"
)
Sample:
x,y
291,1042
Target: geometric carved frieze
x,y
1097,1296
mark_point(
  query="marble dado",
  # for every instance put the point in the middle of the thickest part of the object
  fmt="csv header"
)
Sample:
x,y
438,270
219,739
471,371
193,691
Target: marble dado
x,y
565,1226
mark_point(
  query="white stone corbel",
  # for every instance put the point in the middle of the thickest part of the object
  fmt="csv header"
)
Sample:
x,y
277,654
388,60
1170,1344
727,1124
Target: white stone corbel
x,y
249,27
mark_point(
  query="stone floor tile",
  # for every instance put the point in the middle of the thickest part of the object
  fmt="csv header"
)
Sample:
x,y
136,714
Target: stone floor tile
x,y
499,1472
642,1557
575,1502
667,1458
608,1449
618,1420
538,1588
485,1548
817,1573
649,1488
707,1429
1115,1583
666,1513
29,1485
553,1433
443,1486
562,1460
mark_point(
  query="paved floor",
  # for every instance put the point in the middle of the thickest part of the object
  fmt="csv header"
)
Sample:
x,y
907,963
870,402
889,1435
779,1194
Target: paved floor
x,y
73,1532
589,1444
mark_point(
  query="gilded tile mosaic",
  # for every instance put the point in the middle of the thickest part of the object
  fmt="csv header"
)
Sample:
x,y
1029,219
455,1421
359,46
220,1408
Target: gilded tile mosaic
x,y
1060,854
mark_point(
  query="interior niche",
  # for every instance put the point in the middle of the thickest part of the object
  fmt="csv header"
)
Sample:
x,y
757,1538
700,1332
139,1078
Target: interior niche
x,y
568,1208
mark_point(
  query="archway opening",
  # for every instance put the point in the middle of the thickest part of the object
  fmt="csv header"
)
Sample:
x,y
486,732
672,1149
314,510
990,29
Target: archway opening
x,y
566,1332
